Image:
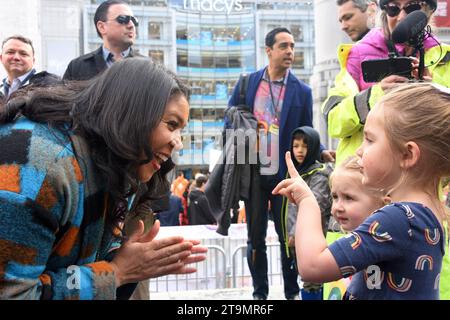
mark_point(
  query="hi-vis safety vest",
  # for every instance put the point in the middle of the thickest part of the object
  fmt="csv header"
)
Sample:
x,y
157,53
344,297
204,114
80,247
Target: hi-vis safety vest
x,y
346,108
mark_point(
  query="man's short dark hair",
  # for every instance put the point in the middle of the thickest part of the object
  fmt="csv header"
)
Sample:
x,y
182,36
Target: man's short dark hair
x,y
101,14
200,181
20,38
360,4
270,37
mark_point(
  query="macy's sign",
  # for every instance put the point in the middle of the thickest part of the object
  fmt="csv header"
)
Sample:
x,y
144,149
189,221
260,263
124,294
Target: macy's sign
x,y
213,5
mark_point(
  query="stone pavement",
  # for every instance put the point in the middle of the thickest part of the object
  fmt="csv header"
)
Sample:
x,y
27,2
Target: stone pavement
x,y
245,293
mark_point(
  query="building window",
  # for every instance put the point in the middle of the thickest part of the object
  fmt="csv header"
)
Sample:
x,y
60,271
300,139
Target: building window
x,y
154,30
195,114
297,32
156,55
182,33
182,59
299,60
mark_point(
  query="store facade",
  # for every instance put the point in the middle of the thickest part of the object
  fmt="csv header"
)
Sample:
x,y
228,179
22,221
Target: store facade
x,y
209,43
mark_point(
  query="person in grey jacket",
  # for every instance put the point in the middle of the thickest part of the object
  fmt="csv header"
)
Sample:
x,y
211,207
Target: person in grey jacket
x,y
305,153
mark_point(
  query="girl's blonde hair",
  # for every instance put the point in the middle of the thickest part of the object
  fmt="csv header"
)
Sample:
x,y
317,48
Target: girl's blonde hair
x,y
420,112
351,166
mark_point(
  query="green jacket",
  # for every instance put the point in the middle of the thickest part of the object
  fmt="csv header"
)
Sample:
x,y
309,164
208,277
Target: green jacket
x,y
346,108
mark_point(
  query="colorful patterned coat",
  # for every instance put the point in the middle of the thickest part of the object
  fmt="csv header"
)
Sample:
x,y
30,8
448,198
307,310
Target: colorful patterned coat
x,y
53,240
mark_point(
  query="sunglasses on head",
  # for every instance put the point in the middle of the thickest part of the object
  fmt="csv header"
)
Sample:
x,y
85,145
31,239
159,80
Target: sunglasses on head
x,y
394,10
123,19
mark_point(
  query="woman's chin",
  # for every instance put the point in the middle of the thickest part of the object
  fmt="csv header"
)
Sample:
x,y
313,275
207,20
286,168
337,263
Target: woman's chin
x,y
145,178
147,171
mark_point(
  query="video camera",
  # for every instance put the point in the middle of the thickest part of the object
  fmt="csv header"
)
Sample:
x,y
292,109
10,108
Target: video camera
x,y
378,69
411,31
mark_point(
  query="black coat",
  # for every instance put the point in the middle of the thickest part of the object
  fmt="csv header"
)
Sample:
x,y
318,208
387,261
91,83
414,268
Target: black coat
x,y
231,182
199,211
89,65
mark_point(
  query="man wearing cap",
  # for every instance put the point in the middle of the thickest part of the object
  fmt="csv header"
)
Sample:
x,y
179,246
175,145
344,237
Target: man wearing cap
x,y
116,26
17,57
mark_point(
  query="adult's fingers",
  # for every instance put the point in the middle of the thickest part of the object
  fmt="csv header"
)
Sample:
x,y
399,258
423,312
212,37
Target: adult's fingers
x,y
169,241
194,258
199,249
174,258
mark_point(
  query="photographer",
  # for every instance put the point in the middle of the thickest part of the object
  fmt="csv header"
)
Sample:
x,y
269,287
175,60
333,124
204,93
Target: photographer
x,y
351,98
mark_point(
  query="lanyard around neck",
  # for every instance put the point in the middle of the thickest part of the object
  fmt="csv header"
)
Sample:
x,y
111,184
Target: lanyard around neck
x,y
275,106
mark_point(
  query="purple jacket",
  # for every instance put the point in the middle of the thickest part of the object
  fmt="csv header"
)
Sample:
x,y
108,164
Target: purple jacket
x,y
373,46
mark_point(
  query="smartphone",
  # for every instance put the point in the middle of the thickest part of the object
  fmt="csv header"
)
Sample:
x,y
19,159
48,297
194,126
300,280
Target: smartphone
x,y
377,69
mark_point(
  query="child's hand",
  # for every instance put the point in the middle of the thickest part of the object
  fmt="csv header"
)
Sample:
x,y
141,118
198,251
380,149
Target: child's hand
x,y
295,188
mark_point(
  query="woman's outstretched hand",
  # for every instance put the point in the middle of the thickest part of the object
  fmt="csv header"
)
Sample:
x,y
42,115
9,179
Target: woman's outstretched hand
x,y
142,257
294,188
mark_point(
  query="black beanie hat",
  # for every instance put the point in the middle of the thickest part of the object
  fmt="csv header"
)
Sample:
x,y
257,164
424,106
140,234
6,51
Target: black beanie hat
x,y
431,3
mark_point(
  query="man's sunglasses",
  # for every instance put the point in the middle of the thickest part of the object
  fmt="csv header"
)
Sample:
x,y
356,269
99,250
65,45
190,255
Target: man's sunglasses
x,y
123,19
393,10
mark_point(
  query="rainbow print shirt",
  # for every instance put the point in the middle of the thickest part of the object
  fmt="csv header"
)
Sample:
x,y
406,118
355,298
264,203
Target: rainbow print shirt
x,y
395,254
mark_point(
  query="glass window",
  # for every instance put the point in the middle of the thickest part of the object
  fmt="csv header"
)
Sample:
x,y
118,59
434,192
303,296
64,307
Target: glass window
x,y
207,62
154,30
221,62
195,114
299,62
182,33
156,55
235,62
297,32
182,59
247,32
249,61
208,114
220,114
193,32
194,59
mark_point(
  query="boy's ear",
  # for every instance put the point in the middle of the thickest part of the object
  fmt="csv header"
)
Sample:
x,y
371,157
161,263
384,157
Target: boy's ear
x,y
410,155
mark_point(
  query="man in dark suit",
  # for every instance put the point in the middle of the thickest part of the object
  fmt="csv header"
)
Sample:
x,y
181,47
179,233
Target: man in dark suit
x,y
17,57
116,25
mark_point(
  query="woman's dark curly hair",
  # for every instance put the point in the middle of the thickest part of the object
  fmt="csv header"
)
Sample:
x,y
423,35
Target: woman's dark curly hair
x,y
115,112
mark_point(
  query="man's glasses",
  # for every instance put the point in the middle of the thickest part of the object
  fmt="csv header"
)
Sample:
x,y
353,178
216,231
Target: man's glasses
x,y
393,10
123,19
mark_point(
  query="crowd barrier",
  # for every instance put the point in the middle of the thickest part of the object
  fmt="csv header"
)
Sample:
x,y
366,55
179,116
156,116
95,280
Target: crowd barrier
x,y
226,262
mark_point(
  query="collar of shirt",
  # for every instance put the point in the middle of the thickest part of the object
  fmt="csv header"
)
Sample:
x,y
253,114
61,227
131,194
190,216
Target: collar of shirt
x,y
107,58
21,78
277,81
9,88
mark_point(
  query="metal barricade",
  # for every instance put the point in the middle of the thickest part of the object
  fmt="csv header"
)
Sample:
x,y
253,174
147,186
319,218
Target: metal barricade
x,y
211,274
240,270
226,262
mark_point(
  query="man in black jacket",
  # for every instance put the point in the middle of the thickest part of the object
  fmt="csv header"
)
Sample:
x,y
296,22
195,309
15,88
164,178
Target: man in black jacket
x,y
17,57
116,26
199,211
